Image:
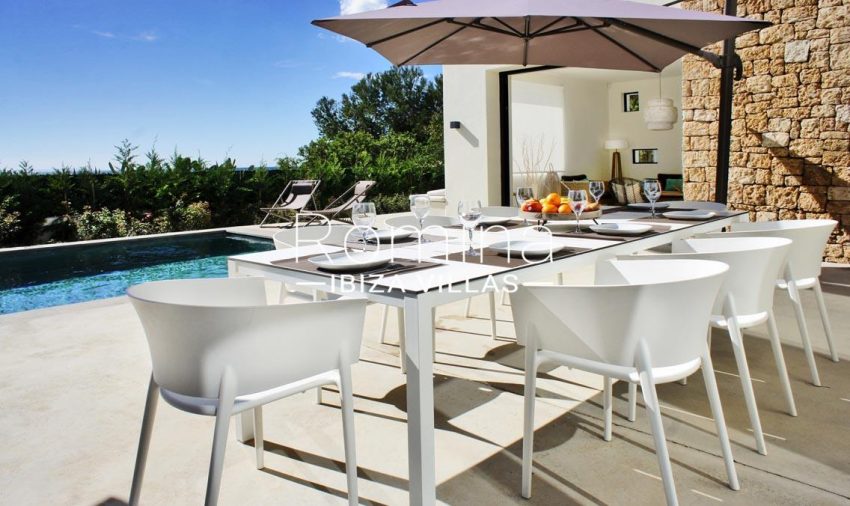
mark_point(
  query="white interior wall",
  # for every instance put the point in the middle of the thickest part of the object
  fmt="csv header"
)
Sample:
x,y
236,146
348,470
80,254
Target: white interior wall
x,y
631,127
537,129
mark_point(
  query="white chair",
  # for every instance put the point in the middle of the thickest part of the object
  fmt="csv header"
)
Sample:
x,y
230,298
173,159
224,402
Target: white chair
x,y
744,301
219,347
642,322
802,271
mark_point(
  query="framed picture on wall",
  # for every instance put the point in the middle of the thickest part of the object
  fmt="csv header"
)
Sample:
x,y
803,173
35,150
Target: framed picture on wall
x,y
631,102
645,155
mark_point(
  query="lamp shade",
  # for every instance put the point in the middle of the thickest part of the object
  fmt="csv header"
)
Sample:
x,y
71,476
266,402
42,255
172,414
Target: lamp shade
x,y
616,144
661,114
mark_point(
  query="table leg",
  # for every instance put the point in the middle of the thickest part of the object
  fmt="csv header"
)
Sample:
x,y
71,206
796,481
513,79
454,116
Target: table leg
x,y
419,341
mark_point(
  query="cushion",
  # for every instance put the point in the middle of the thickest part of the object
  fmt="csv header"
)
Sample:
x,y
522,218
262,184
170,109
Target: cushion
x,y
673,185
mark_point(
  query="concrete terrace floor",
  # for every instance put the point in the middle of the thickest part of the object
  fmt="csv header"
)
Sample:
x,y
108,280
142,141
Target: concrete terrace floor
x,y
73,380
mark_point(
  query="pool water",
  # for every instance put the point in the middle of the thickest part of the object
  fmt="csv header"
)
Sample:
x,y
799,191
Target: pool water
x,y
66,275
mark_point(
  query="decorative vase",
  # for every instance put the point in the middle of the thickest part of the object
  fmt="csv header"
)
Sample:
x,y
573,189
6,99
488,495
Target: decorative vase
x,y
660,114
551,183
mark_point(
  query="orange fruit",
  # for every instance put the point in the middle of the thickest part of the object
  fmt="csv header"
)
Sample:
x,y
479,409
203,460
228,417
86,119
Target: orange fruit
x,y
564,209
550,209
554,199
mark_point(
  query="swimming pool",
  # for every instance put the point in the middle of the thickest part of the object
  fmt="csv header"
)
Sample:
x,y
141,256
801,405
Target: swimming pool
x,y
37,278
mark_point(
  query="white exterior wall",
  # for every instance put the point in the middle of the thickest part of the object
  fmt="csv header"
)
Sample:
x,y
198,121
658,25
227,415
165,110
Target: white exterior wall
x,y
630,126
471,96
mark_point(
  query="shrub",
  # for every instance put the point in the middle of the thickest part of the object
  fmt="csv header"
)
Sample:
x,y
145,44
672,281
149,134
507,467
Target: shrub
x,y
195,216
10,223
101,224
386,204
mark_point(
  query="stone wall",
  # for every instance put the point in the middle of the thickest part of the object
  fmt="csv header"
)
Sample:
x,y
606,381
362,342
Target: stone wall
x,y
790,153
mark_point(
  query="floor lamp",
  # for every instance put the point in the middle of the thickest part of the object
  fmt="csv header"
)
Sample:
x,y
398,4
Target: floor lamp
x,y
616,163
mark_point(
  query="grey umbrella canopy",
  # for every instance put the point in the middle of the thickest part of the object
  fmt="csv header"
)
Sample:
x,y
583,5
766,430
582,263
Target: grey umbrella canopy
x,y
606,34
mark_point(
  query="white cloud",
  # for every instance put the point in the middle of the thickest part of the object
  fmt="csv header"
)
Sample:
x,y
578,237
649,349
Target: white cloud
x,y
105,35
147,36
355,6
349,75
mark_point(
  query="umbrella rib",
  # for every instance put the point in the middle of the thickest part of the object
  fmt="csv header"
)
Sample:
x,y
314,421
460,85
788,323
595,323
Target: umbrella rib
x,y
481,26
570,29
549,25
669,41
509,27
407,32
625,48
432,45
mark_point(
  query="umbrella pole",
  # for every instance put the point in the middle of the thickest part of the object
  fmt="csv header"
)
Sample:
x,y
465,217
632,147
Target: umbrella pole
x,y
724,132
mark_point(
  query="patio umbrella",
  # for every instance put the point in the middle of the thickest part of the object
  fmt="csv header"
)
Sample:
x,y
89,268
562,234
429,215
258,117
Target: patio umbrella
x,y
606,34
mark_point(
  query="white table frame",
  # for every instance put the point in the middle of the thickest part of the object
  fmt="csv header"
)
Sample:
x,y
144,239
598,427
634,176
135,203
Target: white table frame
x,y
419,334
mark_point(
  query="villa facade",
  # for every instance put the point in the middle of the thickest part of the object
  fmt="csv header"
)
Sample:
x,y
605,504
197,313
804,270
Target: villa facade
x,y
790,150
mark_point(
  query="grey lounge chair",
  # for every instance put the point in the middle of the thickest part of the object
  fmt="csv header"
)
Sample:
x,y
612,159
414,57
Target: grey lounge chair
x,y
345,202
295,197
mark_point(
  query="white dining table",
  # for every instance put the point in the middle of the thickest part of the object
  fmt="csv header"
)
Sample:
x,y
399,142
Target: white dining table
x,y
419,292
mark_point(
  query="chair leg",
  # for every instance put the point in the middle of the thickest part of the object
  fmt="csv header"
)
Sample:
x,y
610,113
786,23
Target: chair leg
x,y
683,381
528,416
776,345
384,318
226,396
794,294
653,410
492,298
746,383
719,420
144,441
504,299
632,402
824,318
319,395
347,404
468,311
607,406
258,435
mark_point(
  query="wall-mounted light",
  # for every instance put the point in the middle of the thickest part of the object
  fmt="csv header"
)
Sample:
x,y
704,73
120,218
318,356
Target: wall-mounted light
x,y
454,125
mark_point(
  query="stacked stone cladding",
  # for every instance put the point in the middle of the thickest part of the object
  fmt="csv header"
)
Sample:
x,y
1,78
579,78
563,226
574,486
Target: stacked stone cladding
x,y
790,152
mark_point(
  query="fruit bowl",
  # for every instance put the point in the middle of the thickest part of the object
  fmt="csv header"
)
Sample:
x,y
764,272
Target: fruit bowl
x,y
558,216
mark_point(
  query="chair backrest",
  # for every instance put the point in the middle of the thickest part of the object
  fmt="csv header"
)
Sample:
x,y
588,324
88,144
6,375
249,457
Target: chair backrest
x,y
666,304
499,212
197,328
290,237
754,265
809,236
627,190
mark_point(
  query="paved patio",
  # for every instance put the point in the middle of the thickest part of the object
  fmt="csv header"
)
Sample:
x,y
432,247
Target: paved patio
x,y
73,380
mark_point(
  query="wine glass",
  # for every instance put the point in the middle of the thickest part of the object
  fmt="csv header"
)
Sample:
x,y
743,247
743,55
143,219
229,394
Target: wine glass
x,y
597,189
470,214
578,201
420,206
363,216
652,190
522,194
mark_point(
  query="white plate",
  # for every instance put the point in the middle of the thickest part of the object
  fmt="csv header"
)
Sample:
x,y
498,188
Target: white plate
x,y
386,236
699,214
532,249
494,220
646,206
351,262
621,228
569,224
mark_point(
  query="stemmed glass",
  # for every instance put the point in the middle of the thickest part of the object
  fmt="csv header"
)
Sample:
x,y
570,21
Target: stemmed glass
x,y
522,194
597,189
420,206
363,215
470,215
652,190
578,201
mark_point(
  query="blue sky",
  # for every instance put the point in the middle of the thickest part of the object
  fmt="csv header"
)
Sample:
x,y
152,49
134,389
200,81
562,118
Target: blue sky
x,y
214,77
